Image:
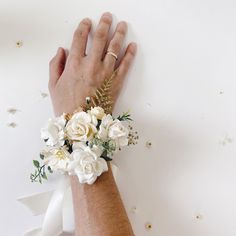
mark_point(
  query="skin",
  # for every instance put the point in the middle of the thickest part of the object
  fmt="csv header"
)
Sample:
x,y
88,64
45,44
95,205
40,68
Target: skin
x,y
98,208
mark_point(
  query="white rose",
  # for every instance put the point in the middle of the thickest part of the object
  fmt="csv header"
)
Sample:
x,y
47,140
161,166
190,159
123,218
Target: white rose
x,y
81,127
113,129
103,128
86,164
119,133
53,132
98,112
57,158
98,150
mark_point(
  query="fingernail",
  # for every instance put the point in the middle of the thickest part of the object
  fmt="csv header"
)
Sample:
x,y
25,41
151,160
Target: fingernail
x,y
124,24
107,14
87,20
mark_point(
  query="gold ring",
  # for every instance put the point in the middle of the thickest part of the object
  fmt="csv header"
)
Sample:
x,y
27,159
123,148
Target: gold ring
x,y
112,54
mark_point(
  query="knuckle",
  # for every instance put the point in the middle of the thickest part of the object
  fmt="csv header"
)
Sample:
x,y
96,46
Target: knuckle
x,y
115,45
73,59
80,33
73,63
100,34
126,62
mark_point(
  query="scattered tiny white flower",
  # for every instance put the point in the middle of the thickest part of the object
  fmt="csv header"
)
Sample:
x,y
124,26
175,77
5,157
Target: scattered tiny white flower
x,y
81,127
57,158
86,164
53,132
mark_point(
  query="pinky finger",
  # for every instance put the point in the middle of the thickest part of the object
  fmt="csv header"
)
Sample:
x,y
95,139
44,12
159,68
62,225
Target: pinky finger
x,y
126,61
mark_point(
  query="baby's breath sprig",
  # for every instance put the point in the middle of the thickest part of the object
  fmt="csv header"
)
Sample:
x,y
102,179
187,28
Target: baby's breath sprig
x,y
133,136
109,147
40,171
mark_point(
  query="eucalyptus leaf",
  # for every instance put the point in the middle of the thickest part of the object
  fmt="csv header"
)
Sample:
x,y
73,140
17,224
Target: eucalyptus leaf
x,y
44,176
50,169
36,163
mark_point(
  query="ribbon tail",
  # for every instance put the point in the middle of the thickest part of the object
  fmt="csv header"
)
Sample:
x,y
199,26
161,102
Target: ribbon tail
x,y
35,232
37,203
52,203
53,220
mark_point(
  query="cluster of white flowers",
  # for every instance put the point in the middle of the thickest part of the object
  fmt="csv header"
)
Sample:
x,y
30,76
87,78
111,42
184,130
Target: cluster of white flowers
x,y
81,145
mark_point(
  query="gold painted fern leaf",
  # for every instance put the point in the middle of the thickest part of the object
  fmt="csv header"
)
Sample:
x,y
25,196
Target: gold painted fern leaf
x,y
103,97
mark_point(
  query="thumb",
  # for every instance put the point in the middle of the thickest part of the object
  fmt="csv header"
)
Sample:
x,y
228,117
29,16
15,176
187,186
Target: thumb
x,y
56,66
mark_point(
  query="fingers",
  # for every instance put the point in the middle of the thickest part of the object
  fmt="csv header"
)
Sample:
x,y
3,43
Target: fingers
x,y
126,61
115,45
101,37
56,66
80,38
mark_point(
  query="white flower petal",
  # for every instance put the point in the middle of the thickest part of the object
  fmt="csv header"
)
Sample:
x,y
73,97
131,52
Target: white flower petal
x,y
86,164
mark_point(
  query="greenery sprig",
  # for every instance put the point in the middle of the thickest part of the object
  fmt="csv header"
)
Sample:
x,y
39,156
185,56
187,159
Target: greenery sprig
x,y
109,147
40,172
125,117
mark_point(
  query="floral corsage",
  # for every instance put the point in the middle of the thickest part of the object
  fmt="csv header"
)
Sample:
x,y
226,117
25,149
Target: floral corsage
x,y
81,143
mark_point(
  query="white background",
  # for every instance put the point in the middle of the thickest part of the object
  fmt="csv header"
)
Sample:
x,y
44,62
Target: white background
x,y
180,90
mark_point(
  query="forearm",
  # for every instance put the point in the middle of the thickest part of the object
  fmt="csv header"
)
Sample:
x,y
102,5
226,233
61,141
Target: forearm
x,y
98,208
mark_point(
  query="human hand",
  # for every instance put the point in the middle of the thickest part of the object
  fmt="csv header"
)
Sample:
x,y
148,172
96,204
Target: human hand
x,y
77,76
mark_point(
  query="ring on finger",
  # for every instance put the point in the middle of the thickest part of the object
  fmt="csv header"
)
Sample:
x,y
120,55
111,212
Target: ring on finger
x,y
112,54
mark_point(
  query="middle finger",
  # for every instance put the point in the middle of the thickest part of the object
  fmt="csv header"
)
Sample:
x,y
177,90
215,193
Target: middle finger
x,y
101,36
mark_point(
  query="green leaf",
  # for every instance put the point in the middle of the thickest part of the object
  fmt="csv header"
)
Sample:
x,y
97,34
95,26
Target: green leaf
x,y
124,117
36,163
44,176
50,169
41,156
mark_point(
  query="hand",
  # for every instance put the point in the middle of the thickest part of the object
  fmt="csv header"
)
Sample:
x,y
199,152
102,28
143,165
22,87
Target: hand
x,y
77,76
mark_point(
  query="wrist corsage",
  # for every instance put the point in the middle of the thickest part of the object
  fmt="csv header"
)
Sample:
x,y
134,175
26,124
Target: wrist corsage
x,y
82,143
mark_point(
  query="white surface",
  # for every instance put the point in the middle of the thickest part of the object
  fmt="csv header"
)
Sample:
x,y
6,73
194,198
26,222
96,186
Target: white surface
x,y
182,87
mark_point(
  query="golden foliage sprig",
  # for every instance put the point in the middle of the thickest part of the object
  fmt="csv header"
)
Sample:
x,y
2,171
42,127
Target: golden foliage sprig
x,y
103,96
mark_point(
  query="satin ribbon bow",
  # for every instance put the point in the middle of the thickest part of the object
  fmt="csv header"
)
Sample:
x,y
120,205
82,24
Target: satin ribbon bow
x,y
52,203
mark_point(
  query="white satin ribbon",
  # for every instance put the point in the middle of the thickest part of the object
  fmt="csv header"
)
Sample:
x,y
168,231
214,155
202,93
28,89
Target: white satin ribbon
x,y
52,203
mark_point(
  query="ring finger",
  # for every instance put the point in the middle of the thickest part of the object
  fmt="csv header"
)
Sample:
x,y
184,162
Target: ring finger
x,y
115,45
